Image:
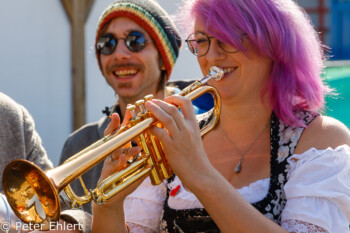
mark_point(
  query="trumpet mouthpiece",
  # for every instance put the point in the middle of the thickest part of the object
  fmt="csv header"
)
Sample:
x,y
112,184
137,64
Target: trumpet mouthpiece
x,y
216,73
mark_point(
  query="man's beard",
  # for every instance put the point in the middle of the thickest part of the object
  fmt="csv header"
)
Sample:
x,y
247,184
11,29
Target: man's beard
x,y
124,85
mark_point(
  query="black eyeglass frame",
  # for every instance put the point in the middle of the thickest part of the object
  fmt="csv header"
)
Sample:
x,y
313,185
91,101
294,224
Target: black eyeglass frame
x,y
188,41
112,41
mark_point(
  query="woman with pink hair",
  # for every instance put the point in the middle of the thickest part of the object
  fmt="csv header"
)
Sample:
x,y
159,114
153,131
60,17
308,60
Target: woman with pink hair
x,y
274,163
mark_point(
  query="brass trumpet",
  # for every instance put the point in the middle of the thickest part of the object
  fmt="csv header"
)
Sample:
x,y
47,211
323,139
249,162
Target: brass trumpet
x,y
33,194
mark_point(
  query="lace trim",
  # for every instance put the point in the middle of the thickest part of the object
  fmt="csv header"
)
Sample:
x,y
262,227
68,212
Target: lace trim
x,y
298,226
136,228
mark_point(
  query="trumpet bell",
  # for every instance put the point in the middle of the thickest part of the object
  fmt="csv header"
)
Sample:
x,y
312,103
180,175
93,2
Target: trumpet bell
x,y
31,194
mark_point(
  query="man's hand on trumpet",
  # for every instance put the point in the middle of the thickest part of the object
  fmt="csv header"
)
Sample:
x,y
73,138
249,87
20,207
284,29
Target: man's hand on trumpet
x,y
117,161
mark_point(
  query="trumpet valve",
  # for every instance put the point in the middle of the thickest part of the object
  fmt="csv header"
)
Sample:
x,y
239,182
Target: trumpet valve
x,y
132,108
141,105
148,97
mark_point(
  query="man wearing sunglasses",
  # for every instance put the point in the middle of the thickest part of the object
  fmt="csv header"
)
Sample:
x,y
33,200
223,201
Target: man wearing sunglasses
x,y
136,48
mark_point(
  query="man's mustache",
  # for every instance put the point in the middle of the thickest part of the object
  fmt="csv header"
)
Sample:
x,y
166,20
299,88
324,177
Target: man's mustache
x,y
115,66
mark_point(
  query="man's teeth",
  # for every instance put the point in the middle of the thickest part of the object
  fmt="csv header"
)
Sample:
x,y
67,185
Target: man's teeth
x,y
228,70
125,72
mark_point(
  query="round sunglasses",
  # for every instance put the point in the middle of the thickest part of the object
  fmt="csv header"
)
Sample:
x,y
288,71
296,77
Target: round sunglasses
x,y
134,41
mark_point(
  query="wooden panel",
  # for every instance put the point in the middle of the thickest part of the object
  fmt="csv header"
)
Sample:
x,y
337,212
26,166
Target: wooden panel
x,y
78,12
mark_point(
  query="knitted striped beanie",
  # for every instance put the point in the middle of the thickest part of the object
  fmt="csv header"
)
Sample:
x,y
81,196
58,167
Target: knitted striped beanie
x,y
150,16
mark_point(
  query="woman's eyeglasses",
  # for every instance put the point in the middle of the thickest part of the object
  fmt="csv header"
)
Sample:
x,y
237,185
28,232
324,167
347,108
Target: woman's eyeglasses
x,y
199,44
107,43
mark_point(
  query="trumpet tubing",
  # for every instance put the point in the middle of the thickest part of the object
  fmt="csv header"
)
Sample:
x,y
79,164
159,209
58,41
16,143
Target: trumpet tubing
x,y
33,194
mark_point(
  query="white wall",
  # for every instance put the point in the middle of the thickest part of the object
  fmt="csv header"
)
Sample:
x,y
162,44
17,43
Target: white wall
x,y
35,65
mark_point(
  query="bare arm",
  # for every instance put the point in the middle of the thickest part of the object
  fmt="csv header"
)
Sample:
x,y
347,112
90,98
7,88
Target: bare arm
x,y
323,132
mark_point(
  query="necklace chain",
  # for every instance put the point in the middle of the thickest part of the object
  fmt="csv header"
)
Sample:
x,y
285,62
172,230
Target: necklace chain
x,y
238,167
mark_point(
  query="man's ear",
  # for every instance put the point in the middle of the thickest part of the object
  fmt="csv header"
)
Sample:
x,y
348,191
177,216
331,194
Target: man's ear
x,y
161,64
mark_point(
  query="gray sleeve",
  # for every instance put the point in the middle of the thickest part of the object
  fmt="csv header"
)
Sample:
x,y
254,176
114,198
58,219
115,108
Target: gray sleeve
x,y
80,217
34,149
18,137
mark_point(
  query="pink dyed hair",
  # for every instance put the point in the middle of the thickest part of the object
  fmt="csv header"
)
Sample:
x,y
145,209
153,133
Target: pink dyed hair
x,y
279,29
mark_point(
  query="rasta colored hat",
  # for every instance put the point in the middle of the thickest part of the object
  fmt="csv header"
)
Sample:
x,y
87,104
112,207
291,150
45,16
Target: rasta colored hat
x,y
151,17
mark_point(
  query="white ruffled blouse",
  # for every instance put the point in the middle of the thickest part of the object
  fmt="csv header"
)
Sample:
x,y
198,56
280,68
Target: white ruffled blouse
x,y
317,191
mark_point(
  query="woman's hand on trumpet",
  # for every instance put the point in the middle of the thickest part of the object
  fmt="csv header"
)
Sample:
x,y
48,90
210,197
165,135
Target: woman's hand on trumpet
x,y
180,137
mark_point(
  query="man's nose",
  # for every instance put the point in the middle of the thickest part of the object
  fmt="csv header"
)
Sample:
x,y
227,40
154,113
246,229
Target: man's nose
x,y
121,51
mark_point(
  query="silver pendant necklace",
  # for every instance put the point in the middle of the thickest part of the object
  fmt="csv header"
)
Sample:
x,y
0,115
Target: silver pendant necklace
x,y
238,167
